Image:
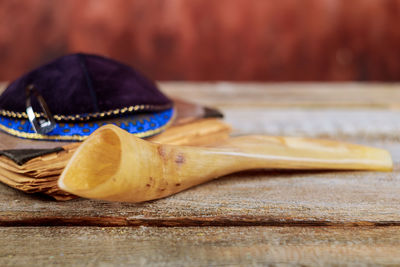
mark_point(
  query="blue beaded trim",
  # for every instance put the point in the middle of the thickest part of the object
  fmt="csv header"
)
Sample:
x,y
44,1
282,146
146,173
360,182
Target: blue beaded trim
x,y
141,125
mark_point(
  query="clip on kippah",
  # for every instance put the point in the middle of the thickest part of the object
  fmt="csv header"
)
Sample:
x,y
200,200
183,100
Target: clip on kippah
x,y
39,125
72,96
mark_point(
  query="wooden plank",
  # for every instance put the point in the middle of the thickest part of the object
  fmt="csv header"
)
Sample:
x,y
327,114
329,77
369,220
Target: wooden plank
x,y
340,111
347,111
251,198
343,124
262,197
204,246
270,95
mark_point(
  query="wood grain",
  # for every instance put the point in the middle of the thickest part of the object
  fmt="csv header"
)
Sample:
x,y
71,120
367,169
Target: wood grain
x,y
251,198
344,111
292,95
261,197
200,246
286,218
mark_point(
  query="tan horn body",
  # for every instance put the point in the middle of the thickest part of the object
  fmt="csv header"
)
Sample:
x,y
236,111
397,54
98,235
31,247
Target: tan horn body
x,y
116,166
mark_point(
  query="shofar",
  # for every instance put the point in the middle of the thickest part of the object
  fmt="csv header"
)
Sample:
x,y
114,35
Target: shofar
x,y
116,166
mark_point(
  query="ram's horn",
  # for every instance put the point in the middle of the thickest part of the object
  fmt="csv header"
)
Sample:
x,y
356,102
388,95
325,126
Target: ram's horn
x,y
114,165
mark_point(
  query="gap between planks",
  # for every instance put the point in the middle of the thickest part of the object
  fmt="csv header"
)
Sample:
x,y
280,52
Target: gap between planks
x,y
220,221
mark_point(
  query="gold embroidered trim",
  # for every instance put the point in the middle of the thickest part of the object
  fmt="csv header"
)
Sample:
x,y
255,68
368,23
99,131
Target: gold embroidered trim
x,y
78,137
85,117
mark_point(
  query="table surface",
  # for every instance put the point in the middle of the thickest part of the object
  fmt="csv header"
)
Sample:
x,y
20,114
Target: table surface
x,y
250,218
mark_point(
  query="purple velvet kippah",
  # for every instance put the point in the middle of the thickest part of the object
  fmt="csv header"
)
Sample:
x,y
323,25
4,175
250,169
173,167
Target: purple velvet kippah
x,y
81,84
83,88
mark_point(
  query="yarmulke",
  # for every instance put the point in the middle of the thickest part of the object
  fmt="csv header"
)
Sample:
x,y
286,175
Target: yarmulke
x,y
69,98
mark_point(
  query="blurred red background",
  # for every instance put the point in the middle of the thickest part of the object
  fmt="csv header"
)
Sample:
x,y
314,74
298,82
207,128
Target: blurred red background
x,y
246,40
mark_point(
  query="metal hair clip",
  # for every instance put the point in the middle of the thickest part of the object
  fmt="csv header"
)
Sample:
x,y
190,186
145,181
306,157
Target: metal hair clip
x,y
39,125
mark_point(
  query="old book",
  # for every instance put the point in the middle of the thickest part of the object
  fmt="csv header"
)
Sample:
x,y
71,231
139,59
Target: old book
x,y
40,174
34,166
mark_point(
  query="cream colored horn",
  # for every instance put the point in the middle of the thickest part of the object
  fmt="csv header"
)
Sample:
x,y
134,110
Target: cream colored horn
x,y
114,165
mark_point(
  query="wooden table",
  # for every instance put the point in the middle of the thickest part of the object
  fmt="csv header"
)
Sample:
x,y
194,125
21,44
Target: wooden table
x,y
251,218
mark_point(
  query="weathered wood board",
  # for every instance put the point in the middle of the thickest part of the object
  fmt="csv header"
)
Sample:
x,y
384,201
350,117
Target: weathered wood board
x,y
285,218
260,197
252,198
275,95
200,246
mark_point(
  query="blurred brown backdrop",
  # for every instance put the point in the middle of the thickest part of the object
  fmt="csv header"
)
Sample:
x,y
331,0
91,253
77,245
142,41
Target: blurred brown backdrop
x,y
285,40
